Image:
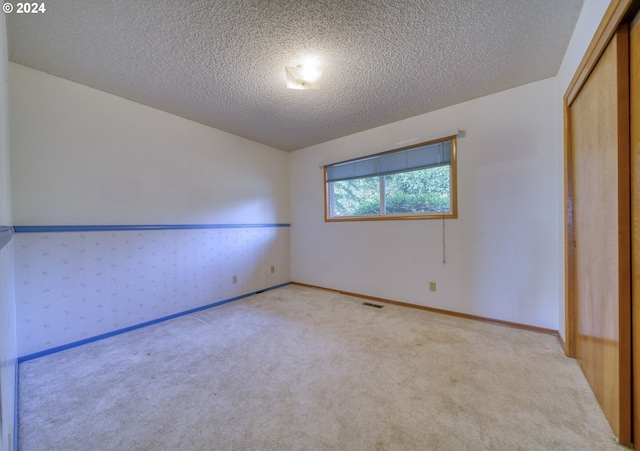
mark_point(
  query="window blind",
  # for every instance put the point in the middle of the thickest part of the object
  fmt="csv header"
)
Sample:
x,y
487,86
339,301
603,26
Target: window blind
x,y
421,157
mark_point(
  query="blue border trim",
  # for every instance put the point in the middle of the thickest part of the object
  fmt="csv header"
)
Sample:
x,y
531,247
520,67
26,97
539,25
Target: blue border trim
x,y
113,228
75,344
5,235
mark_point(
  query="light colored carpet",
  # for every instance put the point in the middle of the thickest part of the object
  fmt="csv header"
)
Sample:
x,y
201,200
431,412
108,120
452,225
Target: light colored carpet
x,y
304,369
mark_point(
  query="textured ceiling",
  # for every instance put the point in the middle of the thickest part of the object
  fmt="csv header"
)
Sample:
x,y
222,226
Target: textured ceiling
x,y
221,62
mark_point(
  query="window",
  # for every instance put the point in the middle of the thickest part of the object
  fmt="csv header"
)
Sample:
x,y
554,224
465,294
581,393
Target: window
x,y
416,182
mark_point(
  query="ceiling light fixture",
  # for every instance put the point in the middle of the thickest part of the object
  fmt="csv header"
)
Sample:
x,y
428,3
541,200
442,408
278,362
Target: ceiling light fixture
x,y
303,76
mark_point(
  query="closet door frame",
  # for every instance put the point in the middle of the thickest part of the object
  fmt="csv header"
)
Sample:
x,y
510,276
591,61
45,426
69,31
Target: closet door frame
x,y
611,21
616,406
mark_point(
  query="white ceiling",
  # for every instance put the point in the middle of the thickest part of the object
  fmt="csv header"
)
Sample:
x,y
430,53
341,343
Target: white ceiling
x,y
221,62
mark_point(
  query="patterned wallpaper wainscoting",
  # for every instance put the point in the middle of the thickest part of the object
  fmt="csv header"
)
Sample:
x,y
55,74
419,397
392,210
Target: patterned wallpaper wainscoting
x,y
74,285
8,357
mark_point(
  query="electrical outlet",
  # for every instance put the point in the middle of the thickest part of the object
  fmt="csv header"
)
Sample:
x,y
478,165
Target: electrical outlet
x,y
432,286
273,269
235,279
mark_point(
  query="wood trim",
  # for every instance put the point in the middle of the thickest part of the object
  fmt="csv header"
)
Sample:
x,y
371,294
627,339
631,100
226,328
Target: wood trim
x,y
562,343
454,177
389,217
325,187
624,234
499,322
635,216
613,16
569,240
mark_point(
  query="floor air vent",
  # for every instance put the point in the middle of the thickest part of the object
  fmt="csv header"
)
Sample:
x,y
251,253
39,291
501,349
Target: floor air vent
x,y
369,304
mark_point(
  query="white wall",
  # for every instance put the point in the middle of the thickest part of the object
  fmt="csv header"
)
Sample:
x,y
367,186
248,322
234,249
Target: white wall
x,y
82,156
5,197
590,17
85,157
588,22
501,252
8,354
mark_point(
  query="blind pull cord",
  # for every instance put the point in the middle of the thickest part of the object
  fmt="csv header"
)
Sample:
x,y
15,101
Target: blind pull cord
x,y
444,260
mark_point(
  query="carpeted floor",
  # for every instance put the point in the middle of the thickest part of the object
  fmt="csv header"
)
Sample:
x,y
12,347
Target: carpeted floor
x,y
303,369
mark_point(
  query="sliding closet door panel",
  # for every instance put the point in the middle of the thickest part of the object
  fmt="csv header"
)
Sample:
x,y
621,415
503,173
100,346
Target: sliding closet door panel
x,y
599,118
634,52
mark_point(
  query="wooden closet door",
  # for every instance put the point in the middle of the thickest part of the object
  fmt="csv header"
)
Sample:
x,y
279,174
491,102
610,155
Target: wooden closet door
x,y
634,53
599,137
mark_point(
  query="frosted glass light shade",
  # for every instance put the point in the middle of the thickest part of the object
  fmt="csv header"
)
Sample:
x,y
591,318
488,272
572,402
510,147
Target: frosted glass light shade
x,y
303,77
